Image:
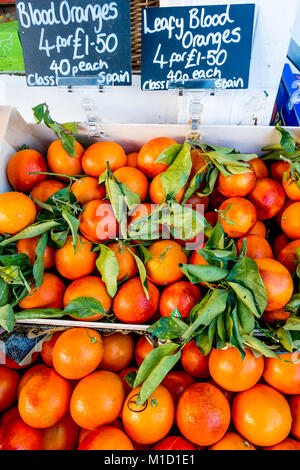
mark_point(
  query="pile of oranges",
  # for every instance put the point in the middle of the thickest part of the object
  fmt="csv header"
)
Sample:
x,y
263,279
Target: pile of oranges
x,y
77,397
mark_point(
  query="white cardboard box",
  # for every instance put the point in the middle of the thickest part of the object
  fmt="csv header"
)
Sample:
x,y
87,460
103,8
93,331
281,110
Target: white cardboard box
x,y
15,132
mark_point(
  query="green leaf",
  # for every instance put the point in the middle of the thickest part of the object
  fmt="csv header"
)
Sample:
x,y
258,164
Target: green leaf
x,y
71,127
168,328
21,260
211,182
199,273
236,331
117,200
142,273
292,324
108,267
7,317
285,339
31,231
203,313
246,318
68,143
221,327
259,346
39,313
84,307
176,176
152,360
154,368
38,267
73,223
287,141
169,155
4,292
294,304
184,222
132,199
130,378
147,256
59,238
246,273
245,296
204,339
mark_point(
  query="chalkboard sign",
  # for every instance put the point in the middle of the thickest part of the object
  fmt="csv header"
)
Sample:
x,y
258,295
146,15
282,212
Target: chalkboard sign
x,y
76,42
190,45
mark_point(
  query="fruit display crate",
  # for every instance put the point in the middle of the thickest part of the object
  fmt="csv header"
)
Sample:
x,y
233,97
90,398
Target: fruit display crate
x,y
15,132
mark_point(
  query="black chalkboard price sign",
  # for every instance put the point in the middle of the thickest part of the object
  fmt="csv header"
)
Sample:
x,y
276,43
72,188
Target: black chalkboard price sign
x,y
189,45
75,42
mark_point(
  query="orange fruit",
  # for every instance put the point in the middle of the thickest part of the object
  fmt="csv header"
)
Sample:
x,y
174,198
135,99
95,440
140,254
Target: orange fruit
x,y
47,349
28,374
150,422
258,229
44,190
89,286
11,364
157,193
233,373
77,353
163,269
239,185
260,168
134,179
132,159
176,382
9,380
279,243
20,167
60,162
275,315
9,415
216,199
287,204
257,247
73,265
87,189
294,403
242,216
278,169
44,399
193,361
131,305
211,218
142,349
203,414
262,415
98,222
287,444
61,436
118,350
174,443
127,265
290,221
268,198
28,247
150,152
198,203
19,436
291,189
278,283
106,438
283,375
232,441
48,295
97,399
288,256
97,155
17,211
229,395
182,296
